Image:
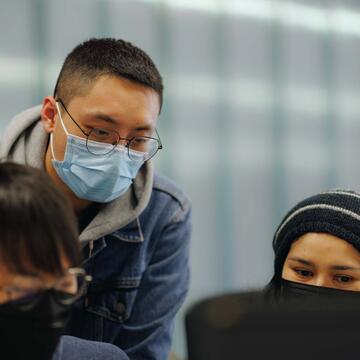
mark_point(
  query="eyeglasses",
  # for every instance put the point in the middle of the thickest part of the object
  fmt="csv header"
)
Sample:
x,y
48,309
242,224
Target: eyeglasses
x,y
25,293
101,141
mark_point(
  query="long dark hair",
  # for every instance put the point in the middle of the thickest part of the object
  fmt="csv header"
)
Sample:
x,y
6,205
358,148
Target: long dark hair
x,y
37,223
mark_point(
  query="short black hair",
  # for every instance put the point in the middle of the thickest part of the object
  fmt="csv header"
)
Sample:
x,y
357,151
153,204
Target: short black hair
x,y
105,56
37,222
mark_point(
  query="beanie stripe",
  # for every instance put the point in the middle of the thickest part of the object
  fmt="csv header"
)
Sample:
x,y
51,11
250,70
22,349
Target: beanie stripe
x,y
315,207
341,192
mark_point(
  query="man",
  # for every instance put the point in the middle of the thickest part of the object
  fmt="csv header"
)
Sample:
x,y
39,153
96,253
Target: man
x,y
95,138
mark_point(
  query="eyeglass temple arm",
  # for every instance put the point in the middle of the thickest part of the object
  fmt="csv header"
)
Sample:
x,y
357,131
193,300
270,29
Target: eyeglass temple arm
x,y
61,102
160,143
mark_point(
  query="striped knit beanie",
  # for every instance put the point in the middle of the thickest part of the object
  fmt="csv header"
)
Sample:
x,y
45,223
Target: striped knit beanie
x,y
336,212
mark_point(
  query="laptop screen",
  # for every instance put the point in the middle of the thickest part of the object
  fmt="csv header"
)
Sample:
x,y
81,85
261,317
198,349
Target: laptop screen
x,y
247,326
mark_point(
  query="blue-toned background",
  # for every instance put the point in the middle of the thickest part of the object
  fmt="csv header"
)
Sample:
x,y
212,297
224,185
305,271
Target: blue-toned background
x,y
261,107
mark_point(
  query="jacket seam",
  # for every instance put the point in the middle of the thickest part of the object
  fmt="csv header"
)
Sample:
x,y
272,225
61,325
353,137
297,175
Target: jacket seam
x,y
179,215
183,202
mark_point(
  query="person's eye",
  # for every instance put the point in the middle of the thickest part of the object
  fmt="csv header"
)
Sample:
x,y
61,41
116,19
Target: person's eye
x,y
100,132
343,278
140,140
140,144
304,272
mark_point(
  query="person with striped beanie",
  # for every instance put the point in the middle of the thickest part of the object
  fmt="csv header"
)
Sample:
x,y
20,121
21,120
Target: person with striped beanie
x,y
317,246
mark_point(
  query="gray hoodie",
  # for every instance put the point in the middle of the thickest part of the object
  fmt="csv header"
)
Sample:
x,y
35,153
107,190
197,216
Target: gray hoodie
x,y
25,141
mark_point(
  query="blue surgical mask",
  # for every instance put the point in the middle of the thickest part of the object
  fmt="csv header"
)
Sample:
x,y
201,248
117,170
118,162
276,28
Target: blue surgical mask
x,y
98,178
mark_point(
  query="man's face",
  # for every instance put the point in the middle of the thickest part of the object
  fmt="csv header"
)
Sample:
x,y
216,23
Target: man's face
x,y
113,104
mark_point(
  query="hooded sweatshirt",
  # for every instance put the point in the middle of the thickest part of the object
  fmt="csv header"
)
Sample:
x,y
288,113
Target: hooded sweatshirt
x,y
25,141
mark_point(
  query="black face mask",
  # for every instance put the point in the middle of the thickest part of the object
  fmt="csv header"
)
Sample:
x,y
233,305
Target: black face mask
x,y
30,328
291,289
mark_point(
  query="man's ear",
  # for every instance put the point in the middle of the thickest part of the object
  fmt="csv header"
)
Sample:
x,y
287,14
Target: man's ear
x,y
48,114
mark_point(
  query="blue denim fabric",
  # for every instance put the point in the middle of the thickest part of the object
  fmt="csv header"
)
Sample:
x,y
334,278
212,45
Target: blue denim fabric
x,y
71,348
140,278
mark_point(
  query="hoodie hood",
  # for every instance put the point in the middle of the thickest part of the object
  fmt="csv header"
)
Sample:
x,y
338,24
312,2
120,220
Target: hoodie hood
x,y
25,141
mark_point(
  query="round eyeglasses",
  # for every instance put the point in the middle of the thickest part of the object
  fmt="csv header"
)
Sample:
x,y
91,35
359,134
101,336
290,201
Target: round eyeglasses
x,y
101,141
28,290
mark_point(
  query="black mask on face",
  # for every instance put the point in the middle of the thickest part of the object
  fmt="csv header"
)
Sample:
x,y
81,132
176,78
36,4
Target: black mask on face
x,y
30,328
291,289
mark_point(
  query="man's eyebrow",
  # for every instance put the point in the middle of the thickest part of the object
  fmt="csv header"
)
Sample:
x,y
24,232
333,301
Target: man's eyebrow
x,y
113,121
302,261
147,128
104,117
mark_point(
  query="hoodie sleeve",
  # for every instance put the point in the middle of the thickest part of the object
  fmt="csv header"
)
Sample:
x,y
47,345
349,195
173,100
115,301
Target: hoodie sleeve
x,y
18,129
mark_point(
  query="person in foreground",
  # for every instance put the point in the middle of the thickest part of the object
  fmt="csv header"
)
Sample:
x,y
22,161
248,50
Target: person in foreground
x,y
317,247
40,273
96,137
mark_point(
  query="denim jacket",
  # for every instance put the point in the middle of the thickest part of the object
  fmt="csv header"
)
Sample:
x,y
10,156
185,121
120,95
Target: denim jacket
x,y
140,278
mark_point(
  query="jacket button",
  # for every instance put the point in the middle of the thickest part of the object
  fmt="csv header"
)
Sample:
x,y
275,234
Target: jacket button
x,y
120,308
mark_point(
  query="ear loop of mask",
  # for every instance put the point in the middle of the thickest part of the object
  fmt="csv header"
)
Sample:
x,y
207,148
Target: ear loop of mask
x,y
51,134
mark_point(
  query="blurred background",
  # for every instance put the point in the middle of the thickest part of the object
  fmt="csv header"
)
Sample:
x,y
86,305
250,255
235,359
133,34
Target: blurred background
x,y
261,108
